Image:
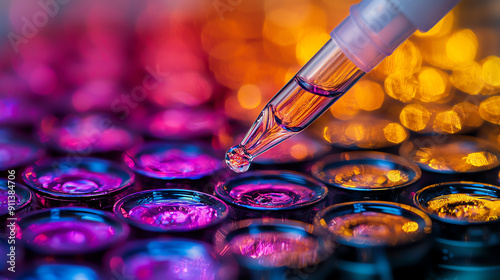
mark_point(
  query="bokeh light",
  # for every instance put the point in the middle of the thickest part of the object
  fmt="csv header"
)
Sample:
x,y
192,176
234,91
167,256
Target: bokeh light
x,y
401,87
447,122
249,96
490,71
489,109
415,117
395,133
346,107
363,131
405,59
452,154
468,113
369,95
433,85
462,46
468,78
309,44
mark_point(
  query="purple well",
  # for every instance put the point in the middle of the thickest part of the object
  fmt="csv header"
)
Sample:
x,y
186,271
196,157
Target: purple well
x,y
271,190
160,259
271,243
71,231
173,161
171,210
89,180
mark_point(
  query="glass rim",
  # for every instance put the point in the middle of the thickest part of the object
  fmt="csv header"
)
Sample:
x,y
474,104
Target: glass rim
x,y
319,219
130,160
418,199
28,272
162,243
281,175
366,155
225,234
122,229
127,176
220,206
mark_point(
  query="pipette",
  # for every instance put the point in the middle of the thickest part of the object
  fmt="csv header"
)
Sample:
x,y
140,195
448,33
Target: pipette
x,y
372,31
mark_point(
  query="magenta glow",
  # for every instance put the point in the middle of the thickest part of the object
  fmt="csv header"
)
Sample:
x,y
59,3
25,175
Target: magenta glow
x,y
173,161
172,214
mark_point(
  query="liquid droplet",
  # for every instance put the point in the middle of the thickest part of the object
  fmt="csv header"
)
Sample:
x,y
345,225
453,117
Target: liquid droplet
x,y
238,159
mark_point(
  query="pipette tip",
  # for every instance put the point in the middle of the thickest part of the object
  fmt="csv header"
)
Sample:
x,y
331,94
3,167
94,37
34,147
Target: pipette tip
x,y
238,159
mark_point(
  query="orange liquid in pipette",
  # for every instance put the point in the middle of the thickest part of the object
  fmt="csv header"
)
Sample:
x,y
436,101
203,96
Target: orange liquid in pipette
x,y
294,108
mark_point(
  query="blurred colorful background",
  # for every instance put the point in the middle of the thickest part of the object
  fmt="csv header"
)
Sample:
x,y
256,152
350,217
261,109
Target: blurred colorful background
x,y
176,69
186,60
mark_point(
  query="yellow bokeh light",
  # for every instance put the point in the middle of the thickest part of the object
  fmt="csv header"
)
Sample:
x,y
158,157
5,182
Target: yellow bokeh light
x,y
249,96
406,59
462,46
450,51
468,113
394,175
441,28
410,226
434,52
365,131
490,71
395,133
468,78
346,107
299,151
489,109
480,159
447,122
455,154
368,94
309,44
415,117
401,87
355,131
432,85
